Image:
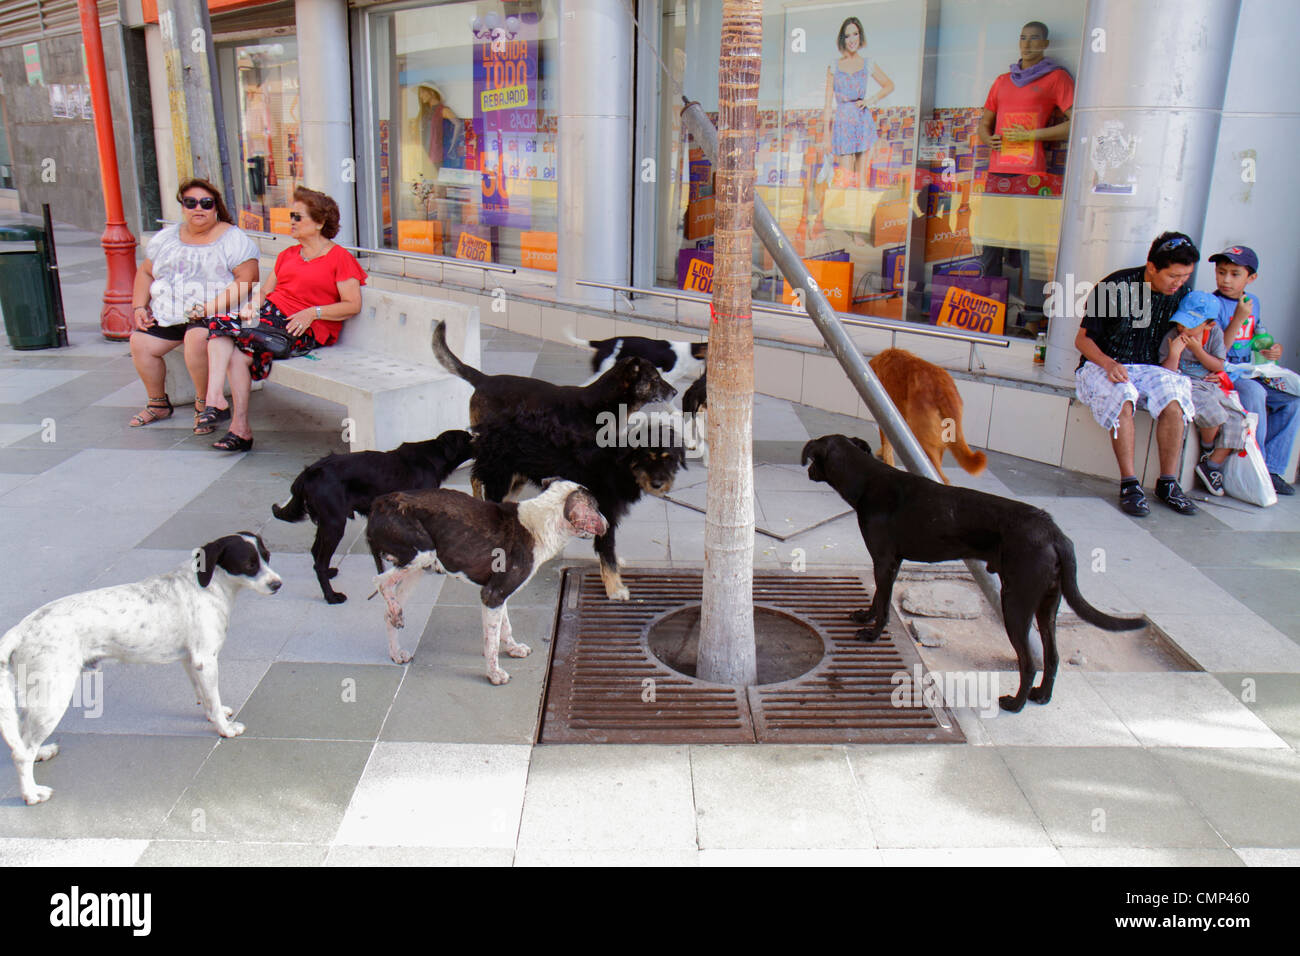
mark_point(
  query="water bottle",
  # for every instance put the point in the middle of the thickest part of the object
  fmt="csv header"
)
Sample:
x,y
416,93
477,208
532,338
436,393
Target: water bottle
x,y
1258,344
1040,348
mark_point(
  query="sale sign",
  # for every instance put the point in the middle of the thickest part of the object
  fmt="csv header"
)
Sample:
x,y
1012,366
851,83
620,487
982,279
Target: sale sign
x,y
473,248
505,115
963,309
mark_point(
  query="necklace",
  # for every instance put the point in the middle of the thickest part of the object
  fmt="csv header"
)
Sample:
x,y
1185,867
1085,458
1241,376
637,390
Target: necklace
x,y
302,252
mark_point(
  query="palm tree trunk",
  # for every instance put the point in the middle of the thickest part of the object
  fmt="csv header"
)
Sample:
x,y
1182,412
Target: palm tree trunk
x,y
726,650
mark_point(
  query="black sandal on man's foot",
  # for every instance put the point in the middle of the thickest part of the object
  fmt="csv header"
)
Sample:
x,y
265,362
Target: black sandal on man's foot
x,y
233,442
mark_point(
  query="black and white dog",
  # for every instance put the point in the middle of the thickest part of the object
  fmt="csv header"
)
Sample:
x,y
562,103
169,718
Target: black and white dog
x,y
680,363
336,487
615,468
496,546
180,615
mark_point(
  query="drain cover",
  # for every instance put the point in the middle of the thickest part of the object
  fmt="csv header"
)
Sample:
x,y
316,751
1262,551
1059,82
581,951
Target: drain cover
x,y
606,686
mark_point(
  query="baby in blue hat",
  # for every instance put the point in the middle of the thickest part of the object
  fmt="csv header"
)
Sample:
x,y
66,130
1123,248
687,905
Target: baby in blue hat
x,y
1195,347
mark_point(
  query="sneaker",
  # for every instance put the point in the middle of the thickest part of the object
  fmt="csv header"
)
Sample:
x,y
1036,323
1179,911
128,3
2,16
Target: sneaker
x,y
1280,485
1171,493
1132,501
1211,477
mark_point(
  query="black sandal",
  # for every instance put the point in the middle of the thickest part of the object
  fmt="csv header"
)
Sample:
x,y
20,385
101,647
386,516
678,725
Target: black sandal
x,y
158,410
233,442
206,421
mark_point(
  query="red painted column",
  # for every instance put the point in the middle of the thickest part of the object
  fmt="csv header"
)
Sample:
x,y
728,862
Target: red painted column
x,y
119,244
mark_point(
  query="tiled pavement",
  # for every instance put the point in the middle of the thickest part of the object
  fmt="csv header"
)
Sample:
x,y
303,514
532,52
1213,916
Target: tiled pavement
x,y
350,760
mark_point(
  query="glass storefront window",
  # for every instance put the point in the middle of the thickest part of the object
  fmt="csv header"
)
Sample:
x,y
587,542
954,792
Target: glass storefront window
x,y
266,150
870,153
991,163
464,102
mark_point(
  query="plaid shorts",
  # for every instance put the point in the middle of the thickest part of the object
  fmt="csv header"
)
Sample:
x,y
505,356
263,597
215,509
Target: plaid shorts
x,y
1149,386
1214,409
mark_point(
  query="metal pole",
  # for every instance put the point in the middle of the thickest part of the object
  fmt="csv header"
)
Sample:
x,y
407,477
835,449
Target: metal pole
x,y
119,244
837,340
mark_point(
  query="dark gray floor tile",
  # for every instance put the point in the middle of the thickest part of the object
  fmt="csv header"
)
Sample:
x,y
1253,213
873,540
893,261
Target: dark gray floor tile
x,y
104,785
1274,699
306,701
269,791
1249,796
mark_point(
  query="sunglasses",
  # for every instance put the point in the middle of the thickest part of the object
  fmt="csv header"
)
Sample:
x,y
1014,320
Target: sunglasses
x,y
189,202
1174,243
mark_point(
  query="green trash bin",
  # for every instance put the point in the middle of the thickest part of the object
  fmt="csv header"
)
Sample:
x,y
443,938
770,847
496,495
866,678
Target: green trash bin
x,y
26,289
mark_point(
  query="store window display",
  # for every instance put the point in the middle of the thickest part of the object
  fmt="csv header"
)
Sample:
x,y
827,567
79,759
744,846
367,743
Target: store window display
x,y
1026,107
466,130
265,81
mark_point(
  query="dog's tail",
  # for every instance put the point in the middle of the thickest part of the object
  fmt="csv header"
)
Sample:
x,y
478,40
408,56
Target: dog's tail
x,y
9,728
1070,591
580,343
951,408
449,361
295,509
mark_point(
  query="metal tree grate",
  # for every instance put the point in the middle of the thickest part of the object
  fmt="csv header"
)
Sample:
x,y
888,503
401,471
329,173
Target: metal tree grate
x,y
606,686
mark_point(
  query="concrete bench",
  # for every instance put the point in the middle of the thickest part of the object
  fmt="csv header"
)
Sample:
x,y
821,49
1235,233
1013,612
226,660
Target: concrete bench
x,y
382,369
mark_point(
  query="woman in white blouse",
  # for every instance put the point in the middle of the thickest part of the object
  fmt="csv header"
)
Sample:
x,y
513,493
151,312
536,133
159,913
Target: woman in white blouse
x,y
205,265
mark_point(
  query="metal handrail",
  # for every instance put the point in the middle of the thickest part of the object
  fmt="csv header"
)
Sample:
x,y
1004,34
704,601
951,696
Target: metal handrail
x,y
892,326
443,261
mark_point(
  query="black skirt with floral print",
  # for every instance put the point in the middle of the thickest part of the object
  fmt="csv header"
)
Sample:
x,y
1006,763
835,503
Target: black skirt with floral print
x,y
229,325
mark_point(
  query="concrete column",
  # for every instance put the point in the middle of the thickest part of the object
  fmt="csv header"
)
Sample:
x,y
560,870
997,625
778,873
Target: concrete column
x,y
595,146
162,127
325,98
1146,122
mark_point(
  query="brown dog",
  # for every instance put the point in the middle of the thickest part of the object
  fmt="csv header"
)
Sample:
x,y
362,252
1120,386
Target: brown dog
x,y
927,398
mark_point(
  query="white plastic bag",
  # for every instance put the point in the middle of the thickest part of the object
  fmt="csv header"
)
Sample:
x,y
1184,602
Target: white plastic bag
x,y
1282,379
1245,475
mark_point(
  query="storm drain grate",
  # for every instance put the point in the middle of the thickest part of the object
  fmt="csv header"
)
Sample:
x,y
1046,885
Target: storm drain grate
x,y
606,686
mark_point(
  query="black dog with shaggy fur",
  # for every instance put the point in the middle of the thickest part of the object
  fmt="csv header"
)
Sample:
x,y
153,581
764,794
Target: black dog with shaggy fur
x,y
535,448
336,487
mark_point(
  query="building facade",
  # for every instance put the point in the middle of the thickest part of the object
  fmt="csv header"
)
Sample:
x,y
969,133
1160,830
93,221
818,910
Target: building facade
x,y
923,175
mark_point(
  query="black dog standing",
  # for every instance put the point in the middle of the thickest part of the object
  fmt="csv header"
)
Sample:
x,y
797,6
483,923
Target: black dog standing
x,y
336,487
906,517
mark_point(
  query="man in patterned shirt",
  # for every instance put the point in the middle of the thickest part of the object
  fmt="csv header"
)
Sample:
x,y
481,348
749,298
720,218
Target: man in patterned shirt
x,y
1127,316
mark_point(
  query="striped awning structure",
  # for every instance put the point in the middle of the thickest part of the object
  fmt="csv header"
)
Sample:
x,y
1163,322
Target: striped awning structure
x,y
22,21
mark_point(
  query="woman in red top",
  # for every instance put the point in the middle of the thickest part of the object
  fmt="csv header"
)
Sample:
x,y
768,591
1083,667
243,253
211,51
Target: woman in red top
x,y
316,285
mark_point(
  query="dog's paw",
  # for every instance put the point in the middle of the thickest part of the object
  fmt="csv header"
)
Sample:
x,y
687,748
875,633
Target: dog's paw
x,y
498,677
399,656
868,634
335,597
231,729
48,751
1011,703
1040,696
519,650
38,794
620,593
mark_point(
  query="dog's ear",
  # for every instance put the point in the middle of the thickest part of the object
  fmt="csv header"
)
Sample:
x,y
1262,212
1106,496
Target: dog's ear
x,y
862,444
207,558
261,545
809,450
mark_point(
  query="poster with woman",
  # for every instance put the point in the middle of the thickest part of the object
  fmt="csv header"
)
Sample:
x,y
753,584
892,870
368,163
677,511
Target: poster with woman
x,y
848,131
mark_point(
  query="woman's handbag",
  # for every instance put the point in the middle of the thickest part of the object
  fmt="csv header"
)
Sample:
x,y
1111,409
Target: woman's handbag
x,y
268,338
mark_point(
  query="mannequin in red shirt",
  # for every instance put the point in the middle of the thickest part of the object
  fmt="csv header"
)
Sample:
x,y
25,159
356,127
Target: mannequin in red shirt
x,y
1017,111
